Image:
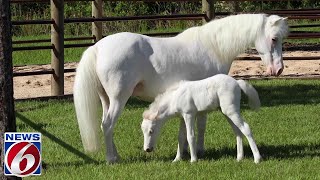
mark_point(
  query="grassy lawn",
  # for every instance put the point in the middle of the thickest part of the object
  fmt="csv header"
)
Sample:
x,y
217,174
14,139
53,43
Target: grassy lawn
x,y
286,129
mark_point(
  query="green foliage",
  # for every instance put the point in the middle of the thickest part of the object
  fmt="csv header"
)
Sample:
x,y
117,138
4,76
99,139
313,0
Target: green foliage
x,y
286,130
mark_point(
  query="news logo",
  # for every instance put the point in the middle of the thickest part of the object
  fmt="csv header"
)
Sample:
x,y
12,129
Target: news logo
x,y
22,154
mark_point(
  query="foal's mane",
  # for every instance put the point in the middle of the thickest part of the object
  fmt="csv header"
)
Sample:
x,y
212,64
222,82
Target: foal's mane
x,y
155,106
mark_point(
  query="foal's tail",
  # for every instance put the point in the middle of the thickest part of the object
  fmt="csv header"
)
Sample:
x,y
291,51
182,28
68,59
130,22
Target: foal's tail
x,y
250,91
86,99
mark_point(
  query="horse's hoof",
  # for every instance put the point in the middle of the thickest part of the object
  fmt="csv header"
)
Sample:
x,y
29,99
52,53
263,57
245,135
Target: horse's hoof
x,y
113,160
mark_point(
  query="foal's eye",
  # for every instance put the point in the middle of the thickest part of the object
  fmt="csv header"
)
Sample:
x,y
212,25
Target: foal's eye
x,y
274,39
150,132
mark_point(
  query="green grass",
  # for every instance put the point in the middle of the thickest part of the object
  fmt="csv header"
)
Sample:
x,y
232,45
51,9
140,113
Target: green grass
x,y
286,130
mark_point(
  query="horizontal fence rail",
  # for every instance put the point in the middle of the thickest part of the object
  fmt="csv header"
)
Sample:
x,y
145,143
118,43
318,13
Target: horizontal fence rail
x,y
292,35
47,1
244,58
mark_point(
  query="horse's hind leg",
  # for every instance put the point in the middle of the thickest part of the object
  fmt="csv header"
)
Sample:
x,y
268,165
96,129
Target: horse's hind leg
x,y
105,106
105,103
110,117
108,123
239,135
237,120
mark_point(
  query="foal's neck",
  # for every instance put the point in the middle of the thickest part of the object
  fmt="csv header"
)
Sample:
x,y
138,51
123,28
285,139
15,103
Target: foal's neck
x,y
163,104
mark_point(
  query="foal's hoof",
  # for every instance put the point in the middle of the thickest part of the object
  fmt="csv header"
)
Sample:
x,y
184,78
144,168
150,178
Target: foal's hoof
x,y
239,158
257,160
176,160
193,160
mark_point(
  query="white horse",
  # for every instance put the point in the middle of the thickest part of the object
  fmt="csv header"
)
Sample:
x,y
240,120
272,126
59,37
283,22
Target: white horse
x,y
190,98
128,64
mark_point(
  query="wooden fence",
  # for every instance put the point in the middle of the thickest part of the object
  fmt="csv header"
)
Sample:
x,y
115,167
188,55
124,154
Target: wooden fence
x,y
57,31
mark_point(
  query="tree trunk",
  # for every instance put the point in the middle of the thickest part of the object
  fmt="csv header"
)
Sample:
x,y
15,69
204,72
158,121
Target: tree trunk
x,y
7,116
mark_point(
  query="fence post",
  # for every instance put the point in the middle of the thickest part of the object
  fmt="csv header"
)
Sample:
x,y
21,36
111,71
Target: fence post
x,y
97,12
7,114
208,9
57,41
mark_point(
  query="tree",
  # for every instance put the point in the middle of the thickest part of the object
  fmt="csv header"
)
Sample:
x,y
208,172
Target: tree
x,y
7,116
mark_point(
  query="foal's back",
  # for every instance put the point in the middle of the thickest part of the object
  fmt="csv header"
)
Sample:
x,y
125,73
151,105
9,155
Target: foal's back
x,y
208,94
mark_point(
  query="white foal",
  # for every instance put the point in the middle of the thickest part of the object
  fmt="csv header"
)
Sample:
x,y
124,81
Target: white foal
x,y
191,98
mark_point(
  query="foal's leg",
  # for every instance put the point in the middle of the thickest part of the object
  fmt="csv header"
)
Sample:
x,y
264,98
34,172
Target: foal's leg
x,y
181,141
189,120
201,126
239,135
245,129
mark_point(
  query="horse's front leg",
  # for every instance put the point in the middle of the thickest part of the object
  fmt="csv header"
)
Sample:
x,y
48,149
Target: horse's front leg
x,y
181,141
189,121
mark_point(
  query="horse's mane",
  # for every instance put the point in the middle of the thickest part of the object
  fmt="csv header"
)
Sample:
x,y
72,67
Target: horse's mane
x,y
227,37
232,35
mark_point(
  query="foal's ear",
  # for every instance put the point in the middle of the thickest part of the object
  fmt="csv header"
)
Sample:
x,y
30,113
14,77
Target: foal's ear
x,y
150,115
274,22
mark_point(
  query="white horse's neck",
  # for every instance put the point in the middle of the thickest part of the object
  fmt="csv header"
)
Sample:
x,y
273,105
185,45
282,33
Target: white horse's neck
x,y
228,37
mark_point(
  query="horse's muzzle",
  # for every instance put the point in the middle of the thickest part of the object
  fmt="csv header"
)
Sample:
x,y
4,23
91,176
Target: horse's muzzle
x,y
273,71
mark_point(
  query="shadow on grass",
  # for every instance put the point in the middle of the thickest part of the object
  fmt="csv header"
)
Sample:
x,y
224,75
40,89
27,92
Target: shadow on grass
x,y
288,94
288,151
72,164
136,103
39,128
33,107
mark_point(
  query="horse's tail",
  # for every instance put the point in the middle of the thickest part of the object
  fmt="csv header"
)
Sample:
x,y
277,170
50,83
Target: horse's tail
x,y
250,91
86,99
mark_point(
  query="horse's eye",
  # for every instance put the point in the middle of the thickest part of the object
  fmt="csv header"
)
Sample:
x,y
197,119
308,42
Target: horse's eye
x,y
150,132
274,39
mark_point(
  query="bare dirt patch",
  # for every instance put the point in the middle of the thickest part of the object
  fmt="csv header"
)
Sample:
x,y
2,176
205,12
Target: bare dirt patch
x,y
39,85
